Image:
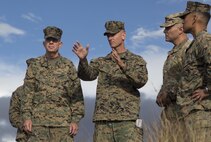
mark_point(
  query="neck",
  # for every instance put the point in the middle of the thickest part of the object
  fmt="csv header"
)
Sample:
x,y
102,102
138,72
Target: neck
x,y
180,39
120,49
198,29
52,55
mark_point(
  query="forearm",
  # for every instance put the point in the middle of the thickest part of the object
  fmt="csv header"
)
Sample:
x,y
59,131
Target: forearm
x,y
86,72
26,101
137,76
77,104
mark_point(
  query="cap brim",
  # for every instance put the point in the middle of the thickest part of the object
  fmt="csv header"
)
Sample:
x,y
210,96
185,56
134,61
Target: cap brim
x,y
52,37
164,25
182,15
109,32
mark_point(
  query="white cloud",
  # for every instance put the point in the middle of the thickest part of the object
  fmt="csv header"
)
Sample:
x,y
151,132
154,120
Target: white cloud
x,y
31,17
155,57
11,77
3,123
141,34
6,31
8,138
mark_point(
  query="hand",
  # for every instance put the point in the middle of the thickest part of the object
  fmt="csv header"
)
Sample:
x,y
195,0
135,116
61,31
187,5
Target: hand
x,y
162,99
117,59
27,126
199,94
73,128
80,51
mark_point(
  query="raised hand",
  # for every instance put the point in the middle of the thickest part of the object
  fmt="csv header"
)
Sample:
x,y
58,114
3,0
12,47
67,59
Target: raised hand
x,y
116,57
80,51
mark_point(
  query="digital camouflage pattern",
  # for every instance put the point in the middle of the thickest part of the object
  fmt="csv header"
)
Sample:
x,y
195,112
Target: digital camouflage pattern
x,y
171,20
113,27
171,77
198,126
196,74
117,95
118,132
50,134
53,32
15,115
53,94
196,7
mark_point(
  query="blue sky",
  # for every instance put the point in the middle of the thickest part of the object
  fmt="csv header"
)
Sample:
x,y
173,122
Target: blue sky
x,y
21,36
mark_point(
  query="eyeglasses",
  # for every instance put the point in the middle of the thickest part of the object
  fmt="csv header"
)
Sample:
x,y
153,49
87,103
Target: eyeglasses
x,y
49,39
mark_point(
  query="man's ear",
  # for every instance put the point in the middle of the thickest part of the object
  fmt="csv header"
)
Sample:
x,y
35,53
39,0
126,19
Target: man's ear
x,y
124,35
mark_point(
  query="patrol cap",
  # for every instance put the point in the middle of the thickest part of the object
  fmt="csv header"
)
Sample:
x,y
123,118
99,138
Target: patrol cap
x,y
113,27
172,19
196,7
52,31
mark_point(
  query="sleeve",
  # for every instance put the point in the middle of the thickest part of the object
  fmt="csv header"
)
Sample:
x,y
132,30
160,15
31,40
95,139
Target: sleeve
x,y
136,72
14,110
77,99
88,72
29,85
207,57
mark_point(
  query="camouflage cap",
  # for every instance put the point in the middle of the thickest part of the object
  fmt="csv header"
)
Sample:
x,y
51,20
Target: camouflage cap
x,y
52,31
113,27
196,7
172,19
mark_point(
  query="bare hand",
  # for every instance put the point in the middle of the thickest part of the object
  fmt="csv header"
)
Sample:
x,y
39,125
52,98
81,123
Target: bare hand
x,y
117,59
80,51
199,94
162,99
73,128
27,126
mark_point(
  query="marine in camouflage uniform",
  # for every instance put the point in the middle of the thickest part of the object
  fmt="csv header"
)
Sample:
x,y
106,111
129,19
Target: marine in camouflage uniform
x,y
53,101
172,74
120,75
15,115
195,86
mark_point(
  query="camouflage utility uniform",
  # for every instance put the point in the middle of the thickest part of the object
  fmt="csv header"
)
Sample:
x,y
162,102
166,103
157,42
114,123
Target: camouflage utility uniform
x,y
15,115
197,74
118,99
171,76
53,99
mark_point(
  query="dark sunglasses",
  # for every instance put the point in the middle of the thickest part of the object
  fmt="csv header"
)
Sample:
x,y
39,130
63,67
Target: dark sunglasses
x,y
49,39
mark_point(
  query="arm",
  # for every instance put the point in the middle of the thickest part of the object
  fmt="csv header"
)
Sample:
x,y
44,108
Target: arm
x,y
77,100
26,105
14,109
205,90
135,70
85,71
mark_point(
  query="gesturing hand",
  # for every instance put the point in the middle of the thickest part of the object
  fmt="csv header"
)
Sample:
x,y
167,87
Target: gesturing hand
x,y
117,59
80,51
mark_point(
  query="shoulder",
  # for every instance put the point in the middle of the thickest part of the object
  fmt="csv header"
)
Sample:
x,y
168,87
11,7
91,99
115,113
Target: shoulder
x,y
34,61
204,40
66,60
18,92
135,57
